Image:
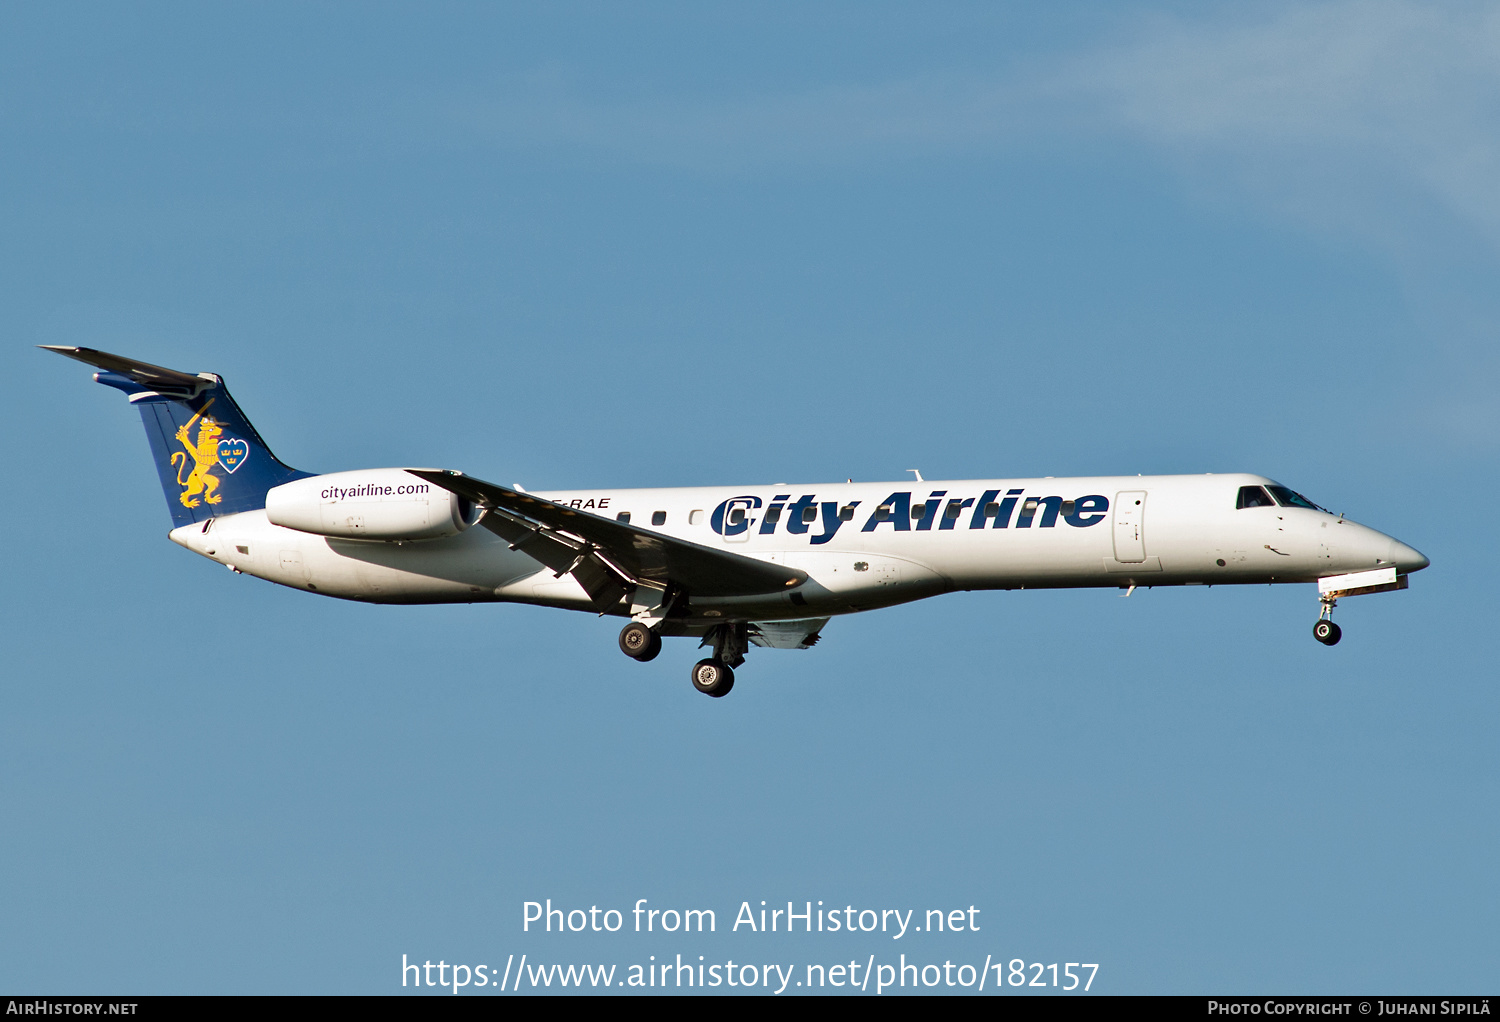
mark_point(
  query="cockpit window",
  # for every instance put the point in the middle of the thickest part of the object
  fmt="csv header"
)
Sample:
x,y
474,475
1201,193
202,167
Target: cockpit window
x,y
1254,496
1288,498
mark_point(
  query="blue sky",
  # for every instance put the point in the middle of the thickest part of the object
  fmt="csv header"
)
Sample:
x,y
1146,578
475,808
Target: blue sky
x,y
691,244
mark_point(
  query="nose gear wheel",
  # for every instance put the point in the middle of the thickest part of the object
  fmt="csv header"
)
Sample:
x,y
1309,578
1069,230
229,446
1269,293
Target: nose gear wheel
x,y
1325,631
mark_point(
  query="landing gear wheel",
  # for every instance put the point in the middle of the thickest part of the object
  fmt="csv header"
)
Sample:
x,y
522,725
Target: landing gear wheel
x,y
713,678
639,642
1327,633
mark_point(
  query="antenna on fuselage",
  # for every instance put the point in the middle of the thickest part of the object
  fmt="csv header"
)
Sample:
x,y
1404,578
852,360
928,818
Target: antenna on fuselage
x,y
917,474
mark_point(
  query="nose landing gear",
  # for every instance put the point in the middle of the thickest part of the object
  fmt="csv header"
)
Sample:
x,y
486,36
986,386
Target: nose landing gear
x,y
1325,631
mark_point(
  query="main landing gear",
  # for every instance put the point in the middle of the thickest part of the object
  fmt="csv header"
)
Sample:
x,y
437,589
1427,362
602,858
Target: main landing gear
x,y
1325,631
713,676
639,642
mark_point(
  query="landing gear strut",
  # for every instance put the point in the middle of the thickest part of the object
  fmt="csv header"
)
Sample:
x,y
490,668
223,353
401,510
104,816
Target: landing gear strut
x,y
715,675
1325,631
639,642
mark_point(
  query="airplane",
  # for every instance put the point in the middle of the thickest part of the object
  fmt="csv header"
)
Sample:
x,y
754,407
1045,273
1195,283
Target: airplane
x,y
733,566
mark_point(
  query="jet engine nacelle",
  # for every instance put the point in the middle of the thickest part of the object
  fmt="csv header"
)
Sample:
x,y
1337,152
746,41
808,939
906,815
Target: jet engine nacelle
x,y
381,503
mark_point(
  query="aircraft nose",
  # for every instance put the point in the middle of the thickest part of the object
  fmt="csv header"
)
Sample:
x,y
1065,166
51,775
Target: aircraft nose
x,y
1406,558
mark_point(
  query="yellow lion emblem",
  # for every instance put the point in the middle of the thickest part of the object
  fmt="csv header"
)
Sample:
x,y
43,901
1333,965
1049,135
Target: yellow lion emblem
x,y
204,455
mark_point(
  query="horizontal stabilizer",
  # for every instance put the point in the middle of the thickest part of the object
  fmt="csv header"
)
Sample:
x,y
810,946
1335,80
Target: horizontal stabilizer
x,y
165,381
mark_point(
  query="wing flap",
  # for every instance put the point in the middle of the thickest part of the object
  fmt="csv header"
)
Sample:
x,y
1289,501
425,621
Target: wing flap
x,y
787,634
605,584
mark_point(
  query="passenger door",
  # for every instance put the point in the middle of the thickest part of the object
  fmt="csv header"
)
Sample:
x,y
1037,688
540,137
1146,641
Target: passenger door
x,y
738,519
1130,536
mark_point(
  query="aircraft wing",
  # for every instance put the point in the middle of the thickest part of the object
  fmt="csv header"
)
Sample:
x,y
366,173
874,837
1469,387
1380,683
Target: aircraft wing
x,y
608,556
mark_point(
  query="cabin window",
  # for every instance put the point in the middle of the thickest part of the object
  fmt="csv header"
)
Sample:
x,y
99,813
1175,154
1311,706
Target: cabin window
x,y
1068,507
658,518
623,516
809,515
883,513
1029,506
694,517
846,513
918,510
1253,496
773,515
1289,498
952,510
736,516
991,509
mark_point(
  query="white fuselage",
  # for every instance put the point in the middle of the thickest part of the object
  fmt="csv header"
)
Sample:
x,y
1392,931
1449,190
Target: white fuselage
x,y
934,538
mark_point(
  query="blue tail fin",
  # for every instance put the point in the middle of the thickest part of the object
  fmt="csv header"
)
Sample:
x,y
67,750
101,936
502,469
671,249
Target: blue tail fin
x,y
211,461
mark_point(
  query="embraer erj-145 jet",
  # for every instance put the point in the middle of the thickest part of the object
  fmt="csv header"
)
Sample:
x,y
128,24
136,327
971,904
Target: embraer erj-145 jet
x,y
734,566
